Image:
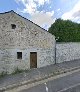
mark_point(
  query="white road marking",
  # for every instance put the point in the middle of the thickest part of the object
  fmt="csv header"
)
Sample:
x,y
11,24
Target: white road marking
x,y
65,89
45,83
46,87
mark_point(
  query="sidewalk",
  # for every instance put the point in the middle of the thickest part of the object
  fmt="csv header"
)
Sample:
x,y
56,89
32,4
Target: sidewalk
x,y
11,81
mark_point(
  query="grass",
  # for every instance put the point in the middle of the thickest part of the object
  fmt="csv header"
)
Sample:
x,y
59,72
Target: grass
x,y
2,74
17,70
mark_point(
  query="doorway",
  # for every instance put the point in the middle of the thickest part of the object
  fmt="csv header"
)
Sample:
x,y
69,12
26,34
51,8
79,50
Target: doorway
x,y
33,59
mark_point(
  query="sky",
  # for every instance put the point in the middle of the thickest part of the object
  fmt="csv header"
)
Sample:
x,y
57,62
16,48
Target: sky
x,y
44,12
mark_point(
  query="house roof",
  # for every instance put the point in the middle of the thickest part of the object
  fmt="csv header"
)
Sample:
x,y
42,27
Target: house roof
x,y
26,19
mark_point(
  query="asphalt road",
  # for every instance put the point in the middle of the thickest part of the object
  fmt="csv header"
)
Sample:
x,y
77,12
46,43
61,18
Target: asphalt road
x,y
57,85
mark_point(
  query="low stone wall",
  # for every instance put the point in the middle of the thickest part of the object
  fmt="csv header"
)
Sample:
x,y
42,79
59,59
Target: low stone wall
x,y
67,51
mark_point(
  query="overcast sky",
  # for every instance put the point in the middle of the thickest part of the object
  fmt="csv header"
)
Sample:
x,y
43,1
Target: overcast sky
x,y
44,12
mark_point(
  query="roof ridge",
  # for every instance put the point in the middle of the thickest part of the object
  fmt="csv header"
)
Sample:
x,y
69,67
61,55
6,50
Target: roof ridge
x,y
7,12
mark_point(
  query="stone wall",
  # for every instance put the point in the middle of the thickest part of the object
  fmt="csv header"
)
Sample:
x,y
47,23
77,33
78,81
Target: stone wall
x,y
26,37
67,51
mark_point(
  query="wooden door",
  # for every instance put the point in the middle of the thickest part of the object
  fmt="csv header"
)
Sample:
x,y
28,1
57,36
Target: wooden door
x,y
33,59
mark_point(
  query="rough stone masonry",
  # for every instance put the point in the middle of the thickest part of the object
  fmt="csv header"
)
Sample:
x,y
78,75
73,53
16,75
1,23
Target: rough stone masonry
x,y
67,51
18,38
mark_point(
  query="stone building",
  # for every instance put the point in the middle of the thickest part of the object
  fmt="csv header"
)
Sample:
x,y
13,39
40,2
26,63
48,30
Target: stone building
x,y
23,44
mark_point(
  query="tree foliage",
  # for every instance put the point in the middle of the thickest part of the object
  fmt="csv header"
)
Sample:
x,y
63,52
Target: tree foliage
x,y
65,31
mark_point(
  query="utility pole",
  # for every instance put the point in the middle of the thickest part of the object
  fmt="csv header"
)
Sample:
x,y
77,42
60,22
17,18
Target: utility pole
x,y
55,48
55,51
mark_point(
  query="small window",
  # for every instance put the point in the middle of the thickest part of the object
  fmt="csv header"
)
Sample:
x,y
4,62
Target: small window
x,y
13,26
19,55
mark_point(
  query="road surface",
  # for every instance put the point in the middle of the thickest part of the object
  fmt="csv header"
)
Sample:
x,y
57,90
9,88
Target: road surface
x,y
57,85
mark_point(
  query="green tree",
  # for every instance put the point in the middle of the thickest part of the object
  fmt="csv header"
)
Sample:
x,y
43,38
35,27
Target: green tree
x,y
65,30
